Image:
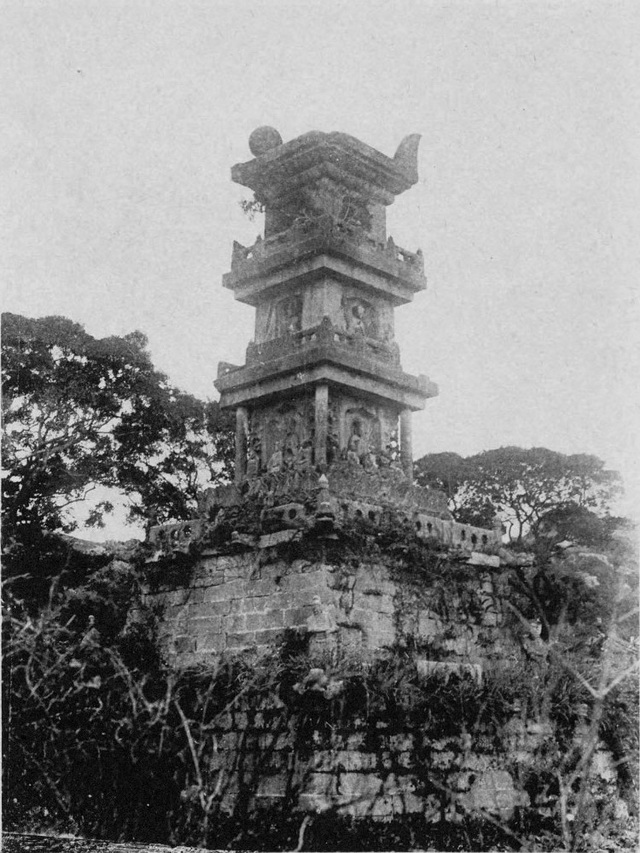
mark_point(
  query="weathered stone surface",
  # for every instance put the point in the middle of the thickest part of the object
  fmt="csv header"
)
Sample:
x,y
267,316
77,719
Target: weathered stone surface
x,y
264,139
365,608
271,539
495,793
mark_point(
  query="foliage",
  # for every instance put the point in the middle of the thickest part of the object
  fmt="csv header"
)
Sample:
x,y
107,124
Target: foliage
x,y
346,209
586,587
519,485
577,524
132,749
80,412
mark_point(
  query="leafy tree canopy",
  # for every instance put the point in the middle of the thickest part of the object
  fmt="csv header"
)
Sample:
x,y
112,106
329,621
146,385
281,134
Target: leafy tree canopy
x,y
520,485
79,412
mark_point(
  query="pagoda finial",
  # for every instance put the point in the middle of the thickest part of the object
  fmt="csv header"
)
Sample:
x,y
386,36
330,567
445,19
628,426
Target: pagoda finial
x,y
264,139
406,157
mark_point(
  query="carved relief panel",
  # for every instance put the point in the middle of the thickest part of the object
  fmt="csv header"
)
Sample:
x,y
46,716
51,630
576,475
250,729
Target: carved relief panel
x,y
370,317
365,432
360,317
275,319
288,317
361,436
282,438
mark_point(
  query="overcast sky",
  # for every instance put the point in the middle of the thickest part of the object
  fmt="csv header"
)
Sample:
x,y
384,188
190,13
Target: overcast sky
x,y
121,121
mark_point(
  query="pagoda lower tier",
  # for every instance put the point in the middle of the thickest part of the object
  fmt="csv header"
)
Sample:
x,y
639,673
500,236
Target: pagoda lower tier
x,y
322,395
296,503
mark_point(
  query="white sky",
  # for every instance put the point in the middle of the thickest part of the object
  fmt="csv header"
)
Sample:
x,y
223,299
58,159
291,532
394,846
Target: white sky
x,y
121,121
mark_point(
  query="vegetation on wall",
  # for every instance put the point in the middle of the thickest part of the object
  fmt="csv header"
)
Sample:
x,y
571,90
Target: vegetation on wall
x,y
132,749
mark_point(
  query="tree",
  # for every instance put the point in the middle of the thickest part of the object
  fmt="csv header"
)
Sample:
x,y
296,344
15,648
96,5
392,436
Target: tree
x,y
576,524
453,474
519,485
80,412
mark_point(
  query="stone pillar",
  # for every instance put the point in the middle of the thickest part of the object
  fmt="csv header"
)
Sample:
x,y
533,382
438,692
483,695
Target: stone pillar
x,y
406,449
321,424
241,443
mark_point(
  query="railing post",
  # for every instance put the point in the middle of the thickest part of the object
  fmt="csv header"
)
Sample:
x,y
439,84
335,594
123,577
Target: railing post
x,y
406,449
241,443
321,425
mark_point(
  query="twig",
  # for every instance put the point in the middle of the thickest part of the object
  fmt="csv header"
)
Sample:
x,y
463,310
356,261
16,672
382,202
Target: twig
x,y
305,823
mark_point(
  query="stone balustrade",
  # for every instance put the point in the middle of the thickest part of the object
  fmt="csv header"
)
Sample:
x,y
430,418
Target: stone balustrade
x,y
171,539
176,537
326,229
322,333
463,537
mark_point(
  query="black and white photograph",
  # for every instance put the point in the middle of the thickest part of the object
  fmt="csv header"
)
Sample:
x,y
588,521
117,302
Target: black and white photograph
x,y
320,425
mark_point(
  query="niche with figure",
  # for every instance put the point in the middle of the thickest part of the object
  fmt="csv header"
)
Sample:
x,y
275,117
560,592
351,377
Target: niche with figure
x,y
289,315
360,317
280,318
288,437
361,437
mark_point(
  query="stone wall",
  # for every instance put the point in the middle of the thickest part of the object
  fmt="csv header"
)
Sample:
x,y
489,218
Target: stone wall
x,y
361,770
248,600
304,746
311,754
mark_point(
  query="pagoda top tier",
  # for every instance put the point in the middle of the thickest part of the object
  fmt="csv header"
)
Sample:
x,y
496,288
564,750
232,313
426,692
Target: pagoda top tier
x,y
324,197
280,169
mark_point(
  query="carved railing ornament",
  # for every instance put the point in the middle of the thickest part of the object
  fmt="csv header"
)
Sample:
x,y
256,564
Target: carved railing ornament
x,y
383,349
323,227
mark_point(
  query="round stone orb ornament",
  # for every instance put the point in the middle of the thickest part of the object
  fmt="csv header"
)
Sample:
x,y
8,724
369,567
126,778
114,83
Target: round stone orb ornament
x,y
264,139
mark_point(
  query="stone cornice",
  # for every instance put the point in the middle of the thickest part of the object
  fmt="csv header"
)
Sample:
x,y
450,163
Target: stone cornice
x,y
283,168
322,358
386,268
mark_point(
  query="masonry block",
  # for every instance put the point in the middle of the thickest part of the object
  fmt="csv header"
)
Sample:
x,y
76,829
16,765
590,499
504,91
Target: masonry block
x,y
184,643
217,608
357,792
373,601
260,604
237,640
296,616
266,637
176,612
199,611
308,582
265,621
179,596
226,591
236,624
235,569
352,761
205,624
212,642
206,578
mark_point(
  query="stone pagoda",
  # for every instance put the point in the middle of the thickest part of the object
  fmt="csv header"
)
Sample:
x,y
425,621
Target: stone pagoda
x,y
323,421
322,390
